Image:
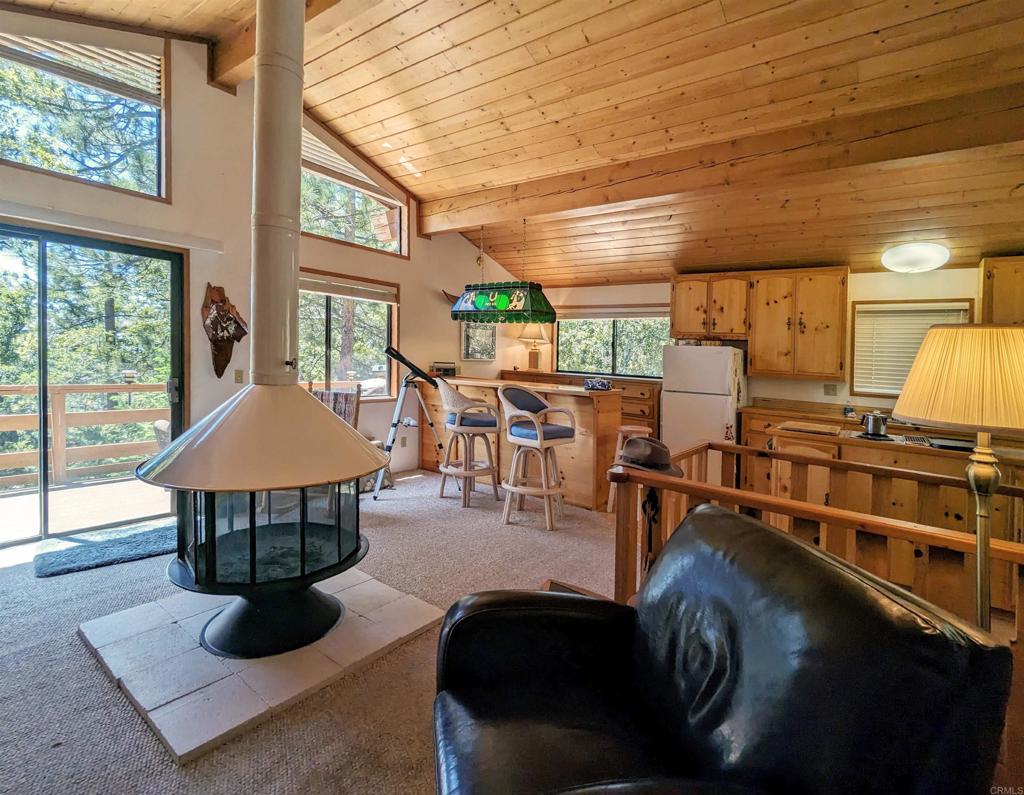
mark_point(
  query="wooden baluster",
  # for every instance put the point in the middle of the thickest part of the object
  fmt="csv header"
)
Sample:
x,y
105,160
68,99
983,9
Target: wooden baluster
x,y
59,437
839,541
626,541
728,476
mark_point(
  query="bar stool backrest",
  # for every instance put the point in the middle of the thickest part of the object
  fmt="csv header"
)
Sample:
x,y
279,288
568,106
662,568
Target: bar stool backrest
x,y
452,399
518,401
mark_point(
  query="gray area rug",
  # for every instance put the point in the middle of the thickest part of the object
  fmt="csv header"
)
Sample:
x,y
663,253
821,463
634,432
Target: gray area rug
x,y
64,728
104,548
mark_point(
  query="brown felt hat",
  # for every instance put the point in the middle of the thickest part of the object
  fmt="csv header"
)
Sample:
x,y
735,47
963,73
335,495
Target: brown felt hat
x,y
643,452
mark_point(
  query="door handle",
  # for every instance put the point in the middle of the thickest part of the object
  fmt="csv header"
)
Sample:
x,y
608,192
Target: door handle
x,y
173,391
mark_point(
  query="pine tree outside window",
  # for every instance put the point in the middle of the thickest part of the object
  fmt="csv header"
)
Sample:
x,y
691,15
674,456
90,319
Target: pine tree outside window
x,y
92,113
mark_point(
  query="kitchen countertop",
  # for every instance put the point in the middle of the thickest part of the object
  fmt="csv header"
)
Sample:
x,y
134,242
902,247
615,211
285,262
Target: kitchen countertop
x,y
536,386
1006,455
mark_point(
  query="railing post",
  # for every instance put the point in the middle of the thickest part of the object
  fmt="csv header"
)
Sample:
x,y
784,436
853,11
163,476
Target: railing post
x,y
626,540
58,436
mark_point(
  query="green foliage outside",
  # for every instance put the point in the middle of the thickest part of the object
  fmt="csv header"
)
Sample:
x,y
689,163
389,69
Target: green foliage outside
x,y
587,346
107,313
359,334
335,210
60,125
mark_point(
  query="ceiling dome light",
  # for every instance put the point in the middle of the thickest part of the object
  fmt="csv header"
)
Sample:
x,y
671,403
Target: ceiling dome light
x,y
915,257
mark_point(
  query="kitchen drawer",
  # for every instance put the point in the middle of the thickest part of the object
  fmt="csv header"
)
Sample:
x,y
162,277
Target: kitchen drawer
x,y
631,408
635,391
758,423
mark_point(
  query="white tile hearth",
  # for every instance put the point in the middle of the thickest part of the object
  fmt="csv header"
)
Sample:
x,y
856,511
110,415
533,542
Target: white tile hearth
x,y
194,700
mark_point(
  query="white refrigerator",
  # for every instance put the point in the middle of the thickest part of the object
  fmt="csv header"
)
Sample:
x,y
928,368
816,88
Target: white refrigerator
x,y
703,386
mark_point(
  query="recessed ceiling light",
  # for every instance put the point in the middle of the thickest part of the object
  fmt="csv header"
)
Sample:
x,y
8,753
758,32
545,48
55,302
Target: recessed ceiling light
x,y
915,257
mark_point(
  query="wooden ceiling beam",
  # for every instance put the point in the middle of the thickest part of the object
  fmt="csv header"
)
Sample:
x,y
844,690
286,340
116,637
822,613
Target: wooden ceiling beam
x,y
991,117
234,54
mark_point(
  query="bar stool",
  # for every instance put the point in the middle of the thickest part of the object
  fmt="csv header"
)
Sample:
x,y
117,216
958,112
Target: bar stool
x,y
625,432
467,420
527,428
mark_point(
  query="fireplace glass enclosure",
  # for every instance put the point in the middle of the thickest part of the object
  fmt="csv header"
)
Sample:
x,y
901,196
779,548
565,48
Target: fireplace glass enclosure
x,y
232,539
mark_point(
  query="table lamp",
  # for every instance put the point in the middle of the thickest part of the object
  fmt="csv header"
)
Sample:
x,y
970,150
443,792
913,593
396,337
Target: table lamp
x,y
970,378
534,334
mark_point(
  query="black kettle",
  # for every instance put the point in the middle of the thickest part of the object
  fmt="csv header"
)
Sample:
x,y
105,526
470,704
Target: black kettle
x,y
874,423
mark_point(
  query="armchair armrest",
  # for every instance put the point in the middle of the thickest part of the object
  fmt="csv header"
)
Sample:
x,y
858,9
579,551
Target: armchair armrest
x,y
559,410
495,638
481,408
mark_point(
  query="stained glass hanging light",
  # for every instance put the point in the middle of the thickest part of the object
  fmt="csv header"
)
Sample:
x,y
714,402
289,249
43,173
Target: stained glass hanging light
x,y
503,302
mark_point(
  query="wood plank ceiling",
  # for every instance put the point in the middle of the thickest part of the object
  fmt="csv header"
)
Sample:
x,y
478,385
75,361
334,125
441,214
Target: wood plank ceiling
x,y
640,138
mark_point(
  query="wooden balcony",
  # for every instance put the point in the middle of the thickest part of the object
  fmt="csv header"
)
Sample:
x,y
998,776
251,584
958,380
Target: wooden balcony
x,y
61,457
85,487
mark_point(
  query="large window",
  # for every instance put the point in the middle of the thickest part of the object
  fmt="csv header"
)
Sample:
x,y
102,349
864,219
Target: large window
x,y
341,203
343,333
887,336
87,112
612,346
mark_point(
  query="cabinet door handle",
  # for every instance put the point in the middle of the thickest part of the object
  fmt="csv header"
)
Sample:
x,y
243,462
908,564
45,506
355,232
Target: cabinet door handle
x,y
789,323
704,322
803,326
714,323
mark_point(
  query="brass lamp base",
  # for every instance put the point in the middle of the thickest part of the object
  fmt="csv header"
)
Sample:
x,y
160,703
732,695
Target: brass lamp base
x,y
983,476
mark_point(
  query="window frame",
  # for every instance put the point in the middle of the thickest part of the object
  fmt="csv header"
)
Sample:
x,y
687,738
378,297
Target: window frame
x,y
393,326
370,187
555,336
854,392
164,147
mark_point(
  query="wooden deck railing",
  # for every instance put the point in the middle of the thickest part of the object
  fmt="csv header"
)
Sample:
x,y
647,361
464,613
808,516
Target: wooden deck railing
x,y
61,456
932,561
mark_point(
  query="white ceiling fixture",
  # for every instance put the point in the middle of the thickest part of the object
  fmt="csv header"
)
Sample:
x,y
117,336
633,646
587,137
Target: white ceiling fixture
x,y
915,257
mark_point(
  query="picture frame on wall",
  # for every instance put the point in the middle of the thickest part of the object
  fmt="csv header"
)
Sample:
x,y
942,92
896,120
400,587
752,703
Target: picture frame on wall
x,y
479,342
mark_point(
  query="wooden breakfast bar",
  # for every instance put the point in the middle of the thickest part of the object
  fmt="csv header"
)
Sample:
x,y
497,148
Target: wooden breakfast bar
x,y
584,464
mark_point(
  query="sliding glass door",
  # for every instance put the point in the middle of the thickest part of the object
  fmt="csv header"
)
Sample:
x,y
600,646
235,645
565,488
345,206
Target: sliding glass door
x,y
91,366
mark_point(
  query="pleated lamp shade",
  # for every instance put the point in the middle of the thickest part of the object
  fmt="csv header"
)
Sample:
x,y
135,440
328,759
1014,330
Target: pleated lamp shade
x,y
968,378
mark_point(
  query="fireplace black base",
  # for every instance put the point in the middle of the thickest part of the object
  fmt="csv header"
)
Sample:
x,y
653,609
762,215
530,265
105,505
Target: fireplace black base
x,y
259,625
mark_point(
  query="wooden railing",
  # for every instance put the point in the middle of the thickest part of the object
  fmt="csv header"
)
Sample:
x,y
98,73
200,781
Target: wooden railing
x,y
61,456
932,561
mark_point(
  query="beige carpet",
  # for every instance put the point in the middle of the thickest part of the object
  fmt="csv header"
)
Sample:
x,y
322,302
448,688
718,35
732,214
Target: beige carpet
x,y
65,729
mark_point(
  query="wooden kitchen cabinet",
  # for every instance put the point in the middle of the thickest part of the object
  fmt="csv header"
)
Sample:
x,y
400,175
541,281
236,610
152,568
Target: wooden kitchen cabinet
x,y
712,306
689,309
1002,290
728,306
772,300
820,331
798,323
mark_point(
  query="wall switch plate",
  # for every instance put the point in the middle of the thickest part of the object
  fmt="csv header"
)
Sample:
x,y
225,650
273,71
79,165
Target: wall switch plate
x,y
832,389
402,443
239,377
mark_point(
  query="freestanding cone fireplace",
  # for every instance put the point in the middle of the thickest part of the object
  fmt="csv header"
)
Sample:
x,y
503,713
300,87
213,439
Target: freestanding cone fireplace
x,y
271,474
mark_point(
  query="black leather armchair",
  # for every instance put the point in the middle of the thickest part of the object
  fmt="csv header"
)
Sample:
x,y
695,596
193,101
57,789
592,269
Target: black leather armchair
x,y
751,663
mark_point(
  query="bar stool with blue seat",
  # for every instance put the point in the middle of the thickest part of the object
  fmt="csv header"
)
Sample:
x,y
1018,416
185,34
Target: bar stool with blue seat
x,y
527,427
467,420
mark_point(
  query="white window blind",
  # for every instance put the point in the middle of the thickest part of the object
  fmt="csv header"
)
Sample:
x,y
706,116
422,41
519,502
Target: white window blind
x,y
133,75
886,338
347,287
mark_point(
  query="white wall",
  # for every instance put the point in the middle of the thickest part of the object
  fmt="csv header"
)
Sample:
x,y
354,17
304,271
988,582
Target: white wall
x,y
211,150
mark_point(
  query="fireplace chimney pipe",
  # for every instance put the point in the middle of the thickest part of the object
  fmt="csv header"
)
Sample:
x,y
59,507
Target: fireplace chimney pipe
x,y
276,183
